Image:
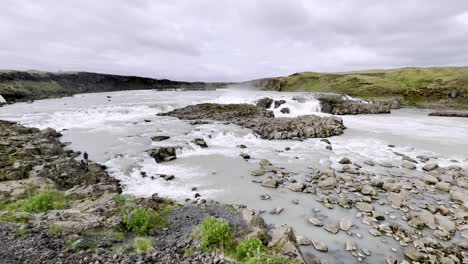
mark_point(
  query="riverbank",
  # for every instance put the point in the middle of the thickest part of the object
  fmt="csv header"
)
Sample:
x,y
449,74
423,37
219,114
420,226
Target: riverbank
x,y
438,87
54,208
23,86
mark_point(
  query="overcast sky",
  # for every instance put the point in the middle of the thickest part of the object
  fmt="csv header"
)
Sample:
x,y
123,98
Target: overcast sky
x,y
230,40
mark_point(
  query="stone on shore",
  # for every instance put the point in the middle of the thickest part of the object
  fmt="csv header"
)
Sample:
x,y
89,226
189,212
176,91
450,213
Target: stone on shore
x,y
270,183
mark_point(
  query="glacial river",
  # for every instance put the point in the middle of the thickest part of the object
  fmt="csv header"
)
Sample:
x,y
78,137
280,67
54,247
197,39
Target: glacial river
x,y
116,129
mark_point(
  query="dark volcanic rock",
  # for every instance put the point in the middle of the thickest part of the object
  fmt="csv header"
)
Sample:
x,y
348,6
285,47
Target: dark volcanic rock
x,y
265,103
200,142
450,113
160,138
27,151
219,112
285,110
278,103
163,154
337,105
263,122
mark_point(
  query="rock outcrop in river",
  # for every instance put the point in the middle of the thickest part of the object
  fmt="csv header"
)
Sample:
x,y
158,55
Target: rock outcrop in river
x,y
337,105
450,113
262,121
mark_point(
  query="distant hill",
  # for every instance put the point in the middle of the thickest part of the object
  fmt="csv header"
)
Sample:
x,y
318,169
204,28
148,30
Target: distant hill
x,y
416,85
18,86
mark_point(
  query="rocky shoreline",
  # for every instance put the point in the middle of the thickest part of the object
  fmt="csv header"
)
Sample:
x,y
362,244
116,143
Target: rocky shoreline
x,y
87,221
431,201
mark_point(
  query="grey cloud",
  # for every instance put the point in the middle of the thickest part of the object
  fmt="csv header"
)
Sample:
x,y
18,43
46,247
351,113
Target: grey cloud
x,y
229,40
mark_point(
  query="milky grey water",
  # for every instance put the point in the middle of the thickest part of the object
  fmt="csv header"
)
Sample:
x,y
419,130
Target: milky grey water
x,y
111,127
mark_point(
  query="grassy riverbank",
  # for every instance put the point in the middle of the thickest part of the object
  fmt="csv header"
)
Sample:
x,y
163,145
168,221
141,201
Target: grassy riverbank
x,y
438,86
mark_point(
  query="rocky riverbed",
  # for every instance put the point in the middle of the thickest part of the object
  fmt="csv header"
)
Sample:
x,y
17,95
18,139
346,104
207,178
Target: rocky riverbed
x,y
84,222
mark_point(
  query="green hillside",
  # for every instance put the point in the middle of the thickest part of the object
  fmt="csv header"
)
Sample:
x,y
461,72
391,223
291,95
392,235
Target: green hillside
x,y
416,85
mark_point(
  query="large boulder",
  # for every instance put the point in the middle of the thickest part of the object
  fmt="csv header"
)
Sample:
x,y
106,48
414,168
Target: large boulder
x,y
163,154
265,103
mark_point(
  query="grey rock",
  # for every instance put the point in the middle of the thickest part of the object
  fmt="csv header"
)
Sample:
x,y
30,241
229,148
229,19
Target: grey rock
x,y
265,103
320,246
408,165
296,187
351,245
344,160
364,207
270,183
430,166
315,221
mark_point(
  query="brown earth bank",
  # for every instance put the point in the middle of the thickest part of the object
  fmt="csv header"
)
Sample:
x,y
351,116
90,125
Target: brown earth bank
x,y
56,209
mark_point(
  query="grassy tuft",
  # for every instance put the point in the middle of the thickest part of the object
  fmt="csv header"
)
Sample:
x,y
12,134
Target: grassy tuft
x,y
249,248
22,231
43,202
140,220
143,245
122,199
56,230
215,234
120,250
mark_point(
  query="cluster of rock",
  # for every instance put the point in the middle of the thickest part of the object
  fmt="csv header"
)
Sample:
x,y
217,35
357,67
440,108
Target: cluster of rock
x,y
30,152
354,185
163,154
339,105
267,102
262,121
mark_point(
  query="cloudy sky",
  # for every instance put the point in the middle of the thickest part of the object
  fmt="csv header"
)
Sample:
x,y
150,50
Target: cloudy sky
x,y
230,40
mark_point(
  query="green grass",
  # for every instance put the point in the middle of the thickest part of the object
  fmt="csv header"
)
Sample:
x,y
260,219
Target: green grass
x,y
249,248
32,201
120,250
21,231
43,202
56,230
122,199
71,243
143,245
141,220
214,234
188,252
414,84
